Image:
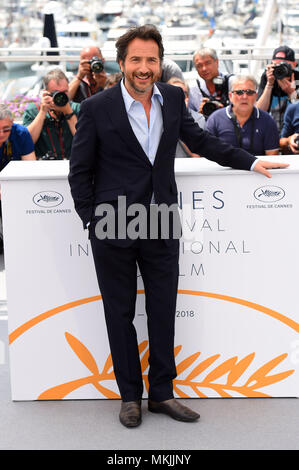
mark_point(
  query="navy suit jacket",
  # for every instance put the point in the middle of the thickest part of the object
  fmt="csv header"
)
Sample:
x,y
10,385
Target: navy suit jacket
x,y
107,160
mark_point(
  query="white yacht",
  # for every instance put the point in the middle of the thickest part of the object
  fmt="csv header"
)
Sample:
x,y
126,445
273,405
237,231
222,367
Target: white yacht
x,y
105,14
78,34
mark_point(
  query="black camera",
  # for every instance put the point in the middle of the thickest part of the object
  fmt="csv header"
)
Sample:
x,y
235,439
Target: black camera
x,y
296,140
215,102
210,106
282,70
60,98
96,64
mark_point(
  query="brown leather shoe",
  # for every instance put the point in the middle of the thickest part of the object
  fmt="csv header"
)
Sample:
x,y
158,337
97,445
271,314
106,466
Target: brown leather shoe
x,y
130,413
174,409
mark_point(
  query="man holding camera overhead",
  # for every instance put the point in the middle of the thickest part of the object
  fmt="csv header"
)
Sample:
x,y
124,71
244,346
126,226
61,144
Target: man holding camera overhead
x,y
279,85
52,123
91,76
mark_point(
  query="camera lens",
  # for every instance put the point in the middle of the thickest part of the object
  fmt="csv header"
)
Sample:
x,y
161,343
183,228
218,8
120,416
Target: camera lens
x,y
209,107
282,70
96,65
60,98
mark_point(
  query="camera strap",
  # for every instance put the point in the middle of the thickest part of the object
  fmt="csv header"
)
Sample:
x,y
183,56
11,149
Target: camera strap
x,y
87,88
60,141
204,94
238,131
224,92
282,106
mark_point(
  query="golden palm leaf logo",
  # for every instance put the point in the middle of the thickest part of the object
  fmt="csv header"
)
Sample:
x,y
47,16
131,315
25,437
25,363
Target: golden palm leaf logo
x,y
197,379
195,375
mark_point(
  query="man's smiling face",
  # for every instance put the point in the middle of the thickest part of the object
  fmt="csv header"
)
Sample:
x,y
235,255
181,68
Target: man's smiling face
x,y
141,67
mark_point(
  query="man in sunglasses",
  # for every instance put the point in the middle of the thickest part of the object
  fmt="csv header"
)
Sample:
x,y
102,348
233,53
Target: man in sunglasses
x,y
243,125
15,144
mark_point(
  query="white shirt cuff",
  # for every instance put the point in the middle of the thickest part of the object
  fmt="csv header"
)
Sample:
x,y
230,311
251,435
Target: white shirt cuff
x,y
253,165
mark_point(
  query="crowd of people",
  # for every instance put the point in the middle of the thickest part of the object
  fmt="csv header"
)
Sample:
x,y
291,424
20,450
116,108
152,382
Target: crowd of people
x,y
261,117
128,136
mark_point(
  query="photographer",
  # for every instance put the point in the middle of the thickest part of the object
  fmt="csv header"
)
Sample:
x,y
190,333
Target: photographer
x,y
182,151
15,144
15,140
212,86
241,124
91,76
289,141
279,85
52,124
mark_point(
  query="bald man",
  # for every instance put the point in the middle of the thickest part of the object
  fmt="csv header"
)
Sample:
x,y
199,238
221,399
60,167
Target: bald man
x,y
86,83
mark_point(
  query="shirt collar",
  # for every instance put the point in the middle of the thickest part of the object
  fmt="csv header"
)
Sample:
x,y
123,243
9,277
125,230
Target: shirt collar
x,y
129,100
229,111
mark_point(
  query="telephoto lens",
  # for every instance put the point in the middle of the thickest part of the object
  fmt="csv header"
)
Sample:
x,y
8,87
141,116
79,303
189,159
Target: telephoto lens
x,y
60,98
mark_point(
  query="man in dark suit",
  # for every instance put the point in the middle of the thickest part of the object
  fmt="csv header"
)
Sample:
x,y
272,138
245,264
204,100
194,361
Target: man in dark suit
x,y
124,147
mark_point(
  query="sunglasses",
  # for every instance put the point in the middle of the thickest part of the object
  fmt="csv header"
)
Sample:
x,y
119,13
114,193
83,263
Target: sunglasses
x,y
5,130
241,92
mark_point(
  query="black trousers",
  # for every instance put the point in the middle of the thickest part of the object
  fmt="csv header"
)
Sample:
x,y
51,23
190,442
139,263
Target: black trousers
x,y
116,269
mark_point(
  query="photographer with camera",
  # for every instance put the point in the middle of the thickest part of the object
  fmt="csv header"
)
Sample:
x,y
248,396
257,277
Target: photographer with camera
x,y
52,124
279,85
289,141
212,88
91,76
241,124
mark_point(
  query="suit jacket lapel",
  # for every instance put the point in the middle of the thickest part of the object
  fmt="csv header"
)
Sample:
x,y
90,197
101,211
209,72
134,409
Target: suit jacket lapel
x,y
166,136
118,114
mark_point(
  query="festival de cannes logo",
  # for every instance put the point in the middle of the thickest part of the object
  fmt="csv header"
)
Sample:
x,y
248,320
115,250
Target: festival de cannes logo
x,y
269,194
47,199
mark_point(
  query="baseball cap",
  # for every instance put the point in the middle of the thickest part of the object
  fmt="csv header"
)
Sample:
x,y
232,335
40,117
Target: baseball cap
x,y
289,53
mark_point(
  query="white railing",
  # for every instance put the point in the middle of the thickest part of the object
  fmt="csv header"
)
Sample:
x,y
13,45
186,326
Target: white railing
x,y
39,54
237,58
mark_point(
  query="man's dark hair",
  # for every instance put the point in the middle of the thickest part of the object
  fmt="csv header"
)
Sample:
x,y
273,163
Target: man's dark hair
x,y
145,32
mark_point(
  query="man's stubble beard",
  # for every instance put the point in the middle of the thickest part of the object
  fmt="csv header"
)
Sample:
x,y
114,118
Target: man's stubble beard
x,y
142,91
